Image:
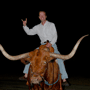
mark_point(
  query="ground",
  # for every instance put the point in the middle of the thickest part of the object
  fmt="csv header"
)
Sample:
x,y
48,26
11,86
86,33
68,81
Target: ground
x,y
11,82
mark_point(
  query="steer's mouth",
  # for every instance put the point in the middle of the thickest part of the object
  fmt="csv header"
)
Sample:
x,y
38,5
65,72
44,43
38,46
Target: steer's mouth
x,y
36,79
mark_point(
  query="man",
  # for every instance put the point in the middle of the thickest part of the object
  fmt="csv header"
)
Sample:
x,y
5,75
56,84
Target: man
x,y
46,31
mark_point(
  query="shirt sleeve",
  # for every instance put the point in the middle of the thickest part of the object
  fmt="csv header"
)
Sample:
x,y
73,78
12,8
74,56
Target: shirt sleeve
x,y
30,31
54,35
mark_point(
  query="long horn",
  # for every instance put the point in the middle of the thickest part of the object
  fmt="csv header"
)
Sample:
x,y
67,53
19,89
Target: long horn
x,y
66,57
13,57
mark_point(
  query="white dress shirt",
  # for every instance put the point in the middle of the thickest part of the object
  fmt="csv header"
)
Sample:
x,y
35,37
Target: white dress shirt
x,y
45,32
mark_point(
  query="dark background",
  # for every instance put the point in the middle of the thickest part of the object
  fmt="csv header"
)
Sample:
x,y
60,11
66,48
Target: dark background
x,y
71,21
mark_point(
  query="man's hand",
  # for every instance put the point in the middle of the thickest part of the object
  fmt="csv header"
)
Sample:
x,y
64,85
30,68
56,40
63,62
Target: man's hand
x,y
48,45
24,22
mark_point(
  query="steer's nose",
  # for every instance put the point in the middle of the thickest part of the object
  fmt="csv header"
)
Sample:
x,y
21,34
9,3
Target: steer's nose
x,y
36,80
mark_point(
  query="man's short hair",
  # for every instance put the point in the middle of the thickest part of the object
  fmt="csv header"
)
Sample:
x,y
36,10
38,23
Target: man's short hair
x,y
43,11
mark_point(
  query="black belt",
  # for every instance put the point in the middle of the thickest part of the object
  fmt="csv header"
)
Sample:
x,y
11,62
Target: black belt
x,y
47,41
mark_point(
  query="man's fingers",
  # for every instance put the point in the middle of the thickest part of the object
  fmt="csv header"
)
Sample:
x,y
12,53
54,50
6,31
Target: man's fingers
x,y
22,20
26,19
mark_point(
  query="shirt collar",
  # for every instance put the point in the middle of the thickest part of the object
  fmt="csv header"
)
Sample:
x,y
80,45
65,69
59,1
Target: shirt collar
x,y
45,23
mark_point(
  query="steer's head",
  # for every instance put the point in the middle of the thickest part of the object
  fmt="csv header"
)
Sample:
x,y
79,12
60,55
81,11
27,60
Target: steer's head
x,y
39,62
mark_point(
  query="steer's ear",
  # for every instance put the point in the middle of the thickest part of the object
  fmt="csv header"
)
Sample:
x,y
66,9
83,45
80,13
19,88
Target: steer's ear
x,y
48,57
51,59
25,60
28,59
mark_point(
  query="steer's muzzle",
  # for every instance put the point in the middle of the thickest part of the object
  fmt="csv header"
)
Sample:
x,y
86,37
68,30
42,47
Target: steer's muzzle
x,y
36,79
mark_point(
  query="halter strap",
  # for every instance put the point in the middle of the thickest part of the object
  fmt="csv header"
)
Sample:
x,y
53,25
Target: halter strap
x,y
46,82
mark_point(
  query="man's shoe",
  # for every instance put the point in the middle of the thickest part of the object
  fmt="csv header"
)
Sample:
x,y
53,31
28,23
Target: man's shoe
x,y
23,78
65,84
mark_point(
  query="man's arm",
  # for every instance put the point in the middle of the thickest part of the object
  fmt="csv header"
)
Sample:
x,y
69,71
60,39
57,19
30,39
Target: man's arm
x,y
54,35
27,30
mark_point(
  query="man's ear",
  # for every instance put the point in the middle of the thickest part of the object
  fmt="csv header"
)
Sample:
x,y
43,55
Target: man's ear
x,y
39,17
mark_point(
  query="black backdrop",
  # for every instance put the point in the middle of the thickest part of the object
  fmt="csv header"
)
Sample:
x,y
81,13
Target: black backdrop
x,y
71,21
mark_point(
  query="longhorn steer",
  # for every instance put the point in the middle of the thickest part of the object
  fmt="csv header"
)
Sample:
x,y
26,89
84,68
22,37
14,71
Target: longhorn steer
x,y
43,73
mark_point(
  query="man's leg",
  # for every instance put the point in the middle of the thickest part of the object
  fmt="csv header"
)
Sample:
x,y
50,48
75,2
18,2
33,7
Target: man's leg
x,y
61,64
62,69
25,71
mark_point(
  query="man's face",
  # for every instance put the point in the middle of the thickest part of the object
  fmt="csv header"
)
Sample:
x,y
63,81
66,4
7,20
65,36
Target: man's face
x,y
42,16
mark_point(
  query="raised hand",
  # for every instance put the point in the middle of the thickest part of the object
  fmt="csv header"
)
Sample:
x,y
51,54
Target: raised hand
x,y
24,22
